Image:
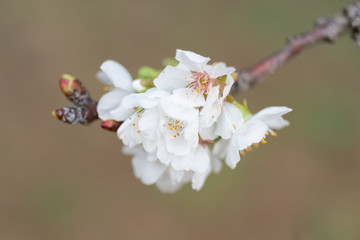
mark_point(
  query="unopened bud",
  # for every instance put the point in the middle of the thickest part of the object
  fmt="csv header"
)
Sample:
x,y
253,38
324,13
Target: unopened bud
x,y
67,83
74,90
138,85
72,115
58,113
111,125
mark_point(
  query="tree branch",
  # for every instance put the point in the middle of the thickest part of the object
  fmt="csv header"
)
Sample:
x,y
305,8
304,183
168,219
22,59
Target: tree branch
x,y
327,30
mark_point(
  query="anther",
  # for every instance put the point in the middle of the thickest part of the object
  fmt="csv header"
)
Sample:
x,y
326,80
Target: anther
x,y
274,134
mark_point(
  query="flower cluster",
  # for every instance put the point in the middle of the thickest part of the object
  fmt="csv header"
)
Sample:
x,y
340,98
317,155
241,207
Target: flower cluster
x,y
179,124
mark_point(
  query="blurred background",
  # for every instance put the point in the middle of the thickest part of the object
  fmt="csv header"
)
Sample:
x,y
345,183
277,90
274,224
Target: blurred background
x,y
72,182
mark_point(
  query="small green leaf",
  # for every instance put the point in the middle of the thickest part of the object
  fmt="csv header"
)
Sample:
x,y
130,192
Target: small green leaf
x,y
170,61
243,109
148,73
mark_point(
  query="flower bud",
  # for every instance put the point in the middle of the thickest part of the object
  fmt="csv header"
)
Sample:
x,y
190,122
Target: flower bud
x,y
138,86
74,90
111,125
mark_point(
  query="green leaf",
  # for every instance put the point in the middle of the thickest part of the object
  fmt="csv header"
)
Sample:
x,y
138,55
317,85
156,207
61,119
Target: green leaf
x,y
170,61
148,73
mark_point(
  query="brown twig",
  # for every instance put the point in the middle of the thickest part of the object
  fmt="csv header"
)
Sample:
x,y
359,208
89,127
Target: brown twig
x,y
75,91
327,30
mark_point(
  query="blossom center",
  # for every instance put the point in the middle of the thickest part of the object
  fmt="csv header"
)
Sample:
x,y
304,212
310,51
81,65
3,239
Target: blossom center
x,y
173,128
200,82
135,119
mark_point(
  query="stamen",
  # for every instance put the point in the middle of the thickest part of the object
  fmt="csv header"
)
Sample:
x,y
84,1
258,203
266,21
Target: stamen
x,y
274,134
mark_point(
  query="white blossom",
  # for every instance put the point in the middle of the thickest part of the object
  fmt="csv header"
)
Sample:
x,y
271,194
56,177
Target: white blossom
x,y
150,170
179,131
135,105
115,76
252,131
193,79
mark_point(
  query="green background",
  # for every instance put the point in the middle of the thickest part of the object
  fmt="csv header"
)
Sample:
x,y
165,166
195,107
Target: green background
x,y
72,182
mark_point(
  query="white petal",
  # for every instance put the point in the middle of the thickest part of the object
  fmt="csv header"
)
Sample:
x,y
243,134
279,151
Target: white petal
x,y
216,164
229,121
208,133
219,69
151,98
193,61
178,111
232,156
148,172
166,186
198,180
103,78
220,148
175,176
178,146
249,133
149,122
172,78
121,114
109,102
191,131
188,97
163,155
129,133
212,109
272,117
118,75
197,161
229,82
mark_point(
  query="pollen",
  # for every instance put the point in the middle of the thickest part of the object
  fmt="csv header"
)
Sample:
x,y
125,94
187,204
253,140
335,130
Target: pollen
x,y
174,136
138,116
133,124
263,142
212,116
130,118
138,131
274,134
